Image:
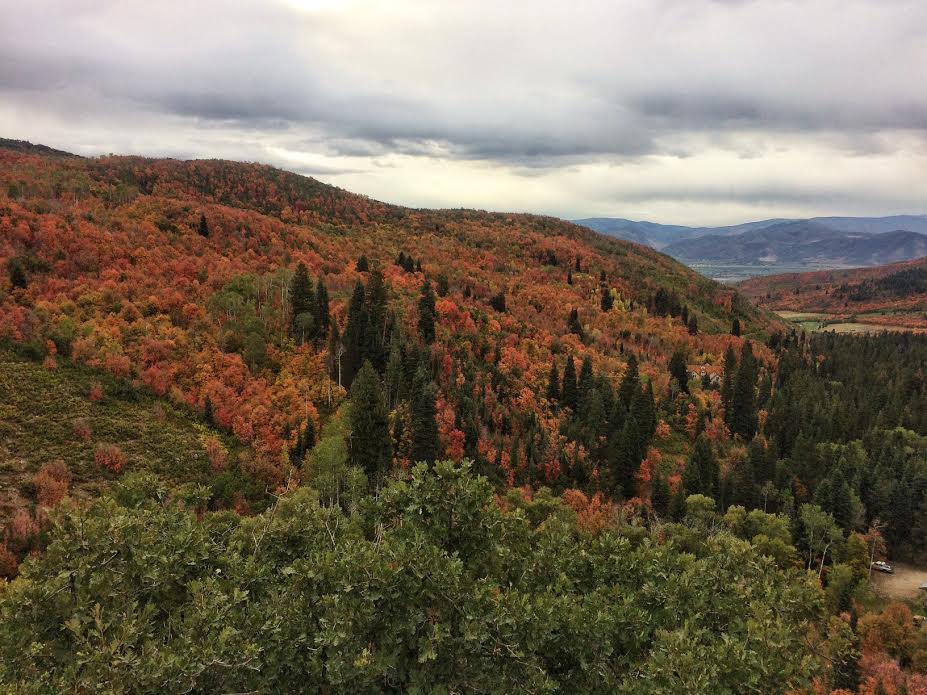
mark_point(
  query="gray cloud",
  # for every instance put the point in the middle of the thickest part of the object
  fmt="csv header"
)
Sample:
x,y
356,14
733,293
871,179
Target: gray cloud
x,y
543,87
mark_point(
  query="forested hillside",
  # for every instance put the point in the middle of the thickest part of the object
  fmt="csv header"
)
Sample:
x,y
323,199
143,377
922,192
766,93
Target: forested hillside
x,y
320,442
894,294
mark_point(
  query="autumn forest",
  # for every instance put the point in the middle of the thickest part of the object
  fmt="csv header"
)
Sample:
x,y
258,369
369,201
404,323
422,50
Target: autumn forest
x,y
261,434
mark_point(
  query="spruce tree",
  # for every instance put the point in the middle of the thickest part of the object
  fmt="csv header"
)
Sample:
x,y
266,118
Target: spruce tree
x,y
735,327
302,305
322,313
608,301
354,336
743,401
679,370
701,474
425,445
629,457
660,494
426,314
553,385
375,345
208,416
584,384
573,323
362,265
17,271
569,397
371,447
630,384
693,325
204,227
727,384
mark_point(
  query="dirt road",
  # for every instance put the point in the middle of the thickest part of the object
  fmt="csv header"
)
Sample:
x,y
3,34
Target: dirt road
x,y
903,584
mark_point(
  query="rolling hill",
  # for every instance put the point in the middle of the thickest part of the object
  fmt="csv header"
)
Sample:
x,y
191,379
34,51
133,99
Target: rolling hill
x,y
889,296
659,236
173,277
802,242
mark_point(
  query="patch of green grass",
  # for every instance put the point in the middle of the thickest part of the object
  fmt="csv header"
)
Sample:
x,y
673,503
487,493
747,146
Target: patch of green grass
x,y
38,411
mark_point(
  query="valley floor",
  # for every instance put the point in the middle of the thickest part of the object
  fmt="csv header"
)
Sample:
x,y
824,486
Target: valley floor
x,y
872,322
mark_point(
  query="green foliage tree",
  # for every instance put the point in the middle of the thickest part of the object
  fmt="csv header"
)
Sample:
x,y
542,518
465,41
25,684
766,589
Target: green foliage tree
x,y
679,370
17,271
553,384
302,305
371,448
426,314
425,443
743,399
701,474
204,226
321,312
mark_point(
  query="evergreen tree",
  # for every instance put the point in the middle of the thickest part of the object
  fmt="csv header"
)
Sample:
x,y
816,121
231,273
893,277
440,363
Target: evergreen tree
x,y
335,356
426,314
208,416
322,313
679,370
585,382
354,336
727,384
608,301
362,265
371,447
660,494
443,286
425,445
735,327
630,384
701,474
693,325
497,302
569,277
743,401
302,305
677,505
761,466
644,409
573,324
553,385
568,389
627,458
375,338
17,271
204,227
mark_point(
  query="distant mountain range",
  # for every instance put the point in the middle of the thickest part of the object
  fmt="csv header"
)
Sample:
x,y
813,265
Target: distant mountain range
x,y
815,242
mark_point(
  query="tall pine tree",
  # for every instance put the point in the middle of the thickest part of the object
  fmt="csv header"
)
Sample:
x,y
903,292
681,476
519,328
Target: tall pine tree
x,y
371,447
302,305
425,445
426,314
569,394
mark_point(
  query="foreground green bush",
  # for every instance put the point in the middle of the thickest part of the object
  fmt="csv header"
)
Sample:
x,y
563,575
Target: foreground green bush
x,y
431,587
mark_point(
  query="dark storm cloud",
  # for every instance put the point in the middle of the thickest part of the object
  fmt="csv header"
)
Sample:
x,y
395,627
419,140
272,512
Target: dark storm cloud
x,y
535,86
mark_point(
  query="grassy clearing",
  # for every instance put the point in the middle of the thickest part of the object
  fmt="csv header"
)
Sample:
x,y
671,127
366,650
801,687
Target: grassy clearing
x,y
40,407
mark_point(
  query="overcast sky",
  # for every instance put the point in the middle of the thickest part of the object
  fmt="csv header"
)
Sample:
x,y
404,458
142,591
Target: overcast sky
x,y
679,111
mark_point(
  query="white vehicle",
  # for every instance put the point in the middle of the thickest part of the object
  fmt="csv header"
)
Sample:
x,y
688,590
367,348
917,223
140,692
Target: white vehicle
x,y
882,566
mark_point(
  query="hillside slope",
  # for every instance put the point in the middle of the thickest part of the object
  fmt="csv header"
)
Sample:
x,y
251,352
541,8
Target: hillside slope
x,y
885,295
176,277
